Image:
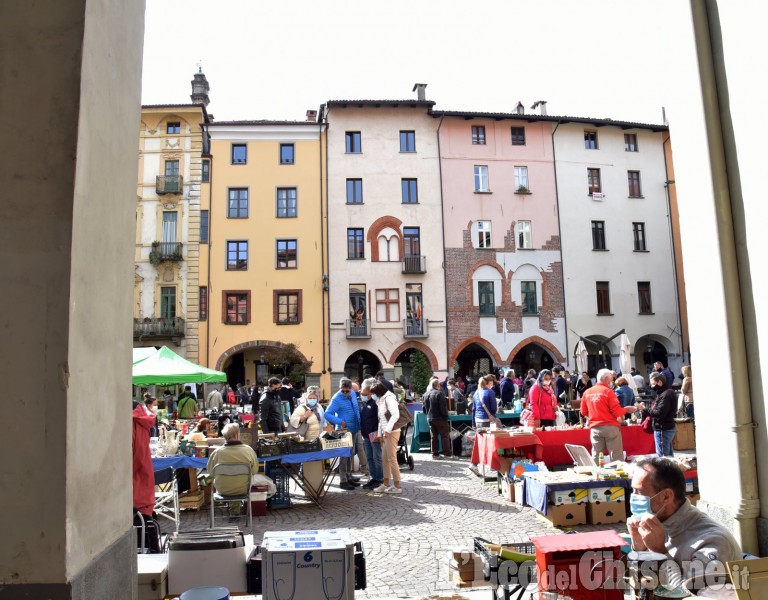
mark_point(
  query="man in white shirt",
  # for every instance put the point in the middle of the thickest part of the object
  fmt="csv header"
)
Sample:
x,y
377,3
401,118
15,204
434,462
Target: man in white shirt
x,y
639,379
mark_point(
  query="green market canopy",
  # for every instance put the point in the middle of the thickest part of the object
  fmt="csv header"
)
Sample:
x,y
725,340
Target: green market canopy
x,y
165,367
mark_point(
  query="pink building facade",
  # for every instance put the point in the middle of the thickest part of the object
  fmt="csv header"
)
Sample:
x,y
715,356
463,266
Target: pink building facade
x,y
503,263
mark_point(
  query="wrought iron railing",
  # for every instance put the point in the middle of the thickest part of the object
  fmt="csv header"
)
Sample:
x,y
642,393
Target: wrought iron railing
x,y
414,264
358,328
169,184
415,327
158,327
165,251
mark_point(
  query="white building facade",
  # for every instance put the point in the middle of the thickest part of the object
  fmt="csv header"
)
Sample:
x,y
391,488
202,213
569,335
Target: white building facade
x,y
385,238
618,261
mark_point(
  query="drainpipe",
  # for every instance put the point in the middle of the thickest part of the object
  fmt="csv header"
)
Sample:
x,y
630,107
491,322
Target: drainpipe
x,y
208,283
560,231
323,269
667,183
327,314
448,366
734,263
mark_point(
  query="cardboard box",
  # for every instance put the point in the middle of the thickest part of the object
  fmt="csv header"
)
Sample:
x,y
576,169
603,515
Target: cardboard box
x,y
607,494
507,489
469,571
570,496
152,572
308,564
519,498
566,515
200,568
601,513
192,500
685,439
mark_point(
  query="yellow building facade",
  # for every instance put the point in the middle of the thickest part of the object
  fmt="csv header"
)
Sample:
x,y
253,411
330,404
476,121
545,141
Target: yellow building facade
x,y
167,278
265,257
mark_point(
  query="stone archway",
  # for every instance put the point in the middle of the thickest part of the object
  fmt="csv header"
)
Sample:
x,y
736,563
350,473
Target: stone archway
x,y
253,344
424,349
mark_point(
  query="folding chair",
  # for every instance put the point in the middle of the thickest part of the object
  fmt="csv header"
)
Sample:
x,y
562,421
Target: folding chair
x,y
580,455
223,470
167,496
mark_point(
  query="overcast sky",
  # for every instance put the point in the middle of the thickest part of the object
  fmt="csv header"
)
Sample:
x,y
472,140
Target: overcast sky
x,y
274,59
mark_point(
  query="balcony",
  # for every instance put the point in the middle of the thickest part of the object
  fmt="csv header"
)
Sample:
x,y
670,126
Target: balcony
x,y
158,327
169,184
414,264
358,328
165,251
415,328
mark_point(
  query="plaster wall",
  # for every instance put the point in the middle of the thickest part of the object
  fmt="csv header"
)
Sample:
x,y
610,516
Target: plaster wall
x,y
619,264
381,166
66,113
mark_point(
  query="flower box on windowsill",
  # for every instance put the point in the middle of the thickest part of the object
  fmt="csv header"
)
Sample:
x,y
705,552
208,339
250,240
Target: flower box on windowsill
x,y
523,191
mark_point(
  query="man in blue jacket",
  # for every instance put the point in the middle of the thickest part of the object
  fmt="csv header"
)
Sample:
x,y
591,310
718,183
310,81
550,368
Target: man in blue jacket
x,y
344,413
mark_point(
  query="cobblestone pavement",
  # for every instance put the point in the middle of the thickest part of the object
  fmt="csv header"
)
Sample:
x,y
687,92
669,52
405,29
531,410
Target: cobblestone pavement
x,y
406,537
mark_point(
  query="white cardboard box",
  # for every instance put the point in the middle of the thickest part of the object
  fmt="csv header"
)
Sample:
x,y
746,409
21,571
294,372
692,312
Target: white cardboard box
x,y
606,494
152,573
200,568
308,565
575,495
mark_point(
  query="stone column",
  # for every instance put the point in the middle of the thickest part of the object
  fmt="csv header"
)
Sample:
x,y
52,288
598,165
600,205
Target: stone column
x,y
71,75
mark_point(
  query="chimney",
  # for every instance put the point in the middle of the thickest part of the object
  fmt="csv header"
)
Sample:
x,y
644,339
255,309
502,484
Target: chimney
x,y
311,116
542,104
200,88
420,89
520,109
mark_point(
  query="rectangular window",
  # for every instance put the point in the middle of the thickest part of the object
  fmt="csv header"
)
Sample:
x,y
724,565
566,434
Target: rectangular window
x,y
411,241
388,305
173,128
286,307
171,168
286,202
630,142
414,309
481,178
238,203
486,298
593,181
410,191
355,243
521,180
237,308
287,254
644,297
603,290
633,180
518,136
478,135
354,191
590,140
598,235
204,220
483,234
407,141
168,302
524,236
206,173
202,308
287,154
353,142
170,219
239,154
528,297
237,255
358,308
638,233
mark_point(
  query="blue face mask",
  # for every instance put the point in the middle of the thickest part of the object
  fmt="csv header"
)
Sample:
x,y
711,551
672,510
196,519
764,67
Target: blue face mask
x,y
375,397
311,403
641,505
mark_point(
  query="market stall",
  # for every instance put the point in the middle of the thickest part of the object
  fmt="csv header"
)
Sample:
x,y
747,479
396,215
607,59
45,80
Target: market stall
x,y
485,451
165,367
420,438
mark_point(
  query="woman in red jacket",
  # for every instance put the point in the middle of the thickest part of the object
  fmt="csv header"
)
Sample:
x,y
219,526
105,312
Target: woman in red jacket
x,y
542,400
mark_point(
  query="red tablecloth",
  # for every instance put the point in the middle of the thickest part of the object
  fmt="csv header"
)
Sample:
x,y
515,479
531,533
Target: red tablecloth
x,y
552,449
484,449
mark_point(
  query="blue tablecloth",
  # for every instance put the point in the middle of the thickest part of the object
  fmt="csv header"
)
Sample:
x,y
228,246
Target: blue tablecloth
x,y
179,462
537,492
309,456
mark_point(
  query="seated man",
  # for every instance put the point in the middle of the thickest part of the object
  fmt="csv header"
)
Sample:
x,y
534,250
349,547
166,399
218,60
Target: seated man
x,y
664,521
233,452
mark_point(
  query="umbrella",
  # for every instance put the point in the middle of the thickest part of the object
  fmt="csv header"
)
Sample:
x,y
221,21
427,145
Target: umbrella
x,y
165,367
625,361
581,357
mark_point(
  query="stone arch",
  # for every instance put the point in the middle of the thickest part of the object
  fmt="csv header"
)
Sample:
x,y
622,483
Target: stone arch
x,y
377,227
253,344
535,339
423,348
487,346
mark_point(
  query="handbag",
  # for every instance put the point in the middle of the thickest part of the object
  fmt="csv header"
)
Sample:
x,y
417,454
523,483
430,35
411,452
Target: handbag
x,y
300,430
647,425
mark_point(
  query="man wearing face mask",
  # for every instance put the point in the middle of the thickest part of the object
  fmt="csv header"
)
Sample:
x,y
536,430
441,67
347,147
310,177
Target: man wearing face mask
x,y
270,414
605,413
664,521
662,412
344,413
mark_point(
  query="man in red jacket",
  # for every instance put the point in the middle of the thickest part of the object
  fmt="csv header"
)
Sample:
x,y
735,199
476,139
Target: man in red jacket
x,y
605,414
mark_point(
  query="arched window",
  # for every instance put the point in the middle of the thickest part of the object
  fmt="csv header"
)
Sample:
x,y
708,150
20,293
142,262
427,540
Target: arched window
x,y
486,290
527,289
389,245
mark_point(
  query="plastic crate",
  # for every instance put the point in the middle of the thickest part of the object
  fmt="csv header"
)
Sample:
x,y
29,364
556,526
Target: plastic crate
x,y
493,563
268,447
278,474
296,447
